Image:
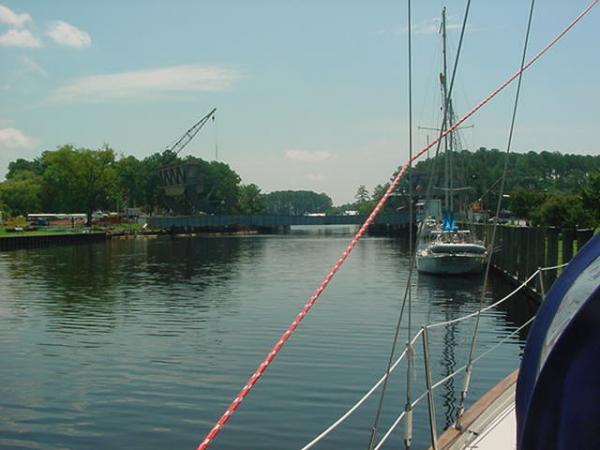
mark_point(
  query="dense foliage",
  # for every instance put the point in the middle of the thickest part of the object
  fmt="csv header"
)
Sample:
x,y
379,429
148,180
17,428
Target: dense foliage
x,y
71,179
544,188
297,203
544,171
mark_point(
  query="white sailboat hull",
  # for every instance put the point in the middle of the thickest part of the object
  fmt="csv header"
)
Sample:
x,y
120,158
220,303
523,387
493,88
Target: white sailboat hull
x,y
450,264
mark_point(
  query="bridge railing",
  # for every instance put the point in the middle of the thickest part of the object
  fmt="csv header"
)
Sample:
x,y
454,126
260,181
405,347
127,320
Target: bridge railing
x,y
264,220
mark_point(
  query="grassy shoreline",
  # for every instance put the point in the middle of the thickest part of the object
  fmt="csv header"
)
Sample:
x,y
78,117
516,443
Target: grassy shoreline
x,y
68,231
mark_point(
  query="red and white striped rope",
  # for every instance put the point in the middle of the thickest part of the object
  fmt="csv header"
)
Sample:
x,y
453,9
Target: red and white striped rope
x,y
317,293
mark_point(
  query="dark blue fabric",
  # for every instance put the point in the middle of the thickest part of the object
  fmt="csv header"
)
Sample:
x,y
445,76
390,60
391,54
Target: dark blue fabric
x,y
561,409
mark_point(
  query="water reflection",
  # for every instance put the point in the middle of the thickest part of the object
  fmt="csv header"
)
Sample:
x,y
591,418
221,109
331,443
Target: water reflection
x,y
455,297
87,286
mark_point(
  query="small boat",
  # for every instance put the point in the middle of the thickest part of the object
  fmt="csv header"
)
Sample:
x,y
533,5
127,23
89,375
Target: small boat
x,y
446,250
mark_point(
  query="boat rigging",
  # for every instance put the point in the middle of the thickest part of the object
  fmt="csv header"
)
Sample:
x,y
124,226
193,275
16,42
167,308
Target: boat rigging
x,y
443,248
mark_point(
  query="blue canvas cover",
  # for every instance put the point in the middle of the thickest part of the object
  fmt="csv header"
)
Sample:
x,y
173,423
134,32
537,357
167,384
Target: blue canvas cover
x,y
558,390
448,223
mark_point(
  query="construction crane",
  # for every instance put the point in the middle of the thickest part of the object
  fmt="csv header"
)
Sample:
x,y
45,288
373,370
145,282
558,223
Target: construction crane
x,y
189,134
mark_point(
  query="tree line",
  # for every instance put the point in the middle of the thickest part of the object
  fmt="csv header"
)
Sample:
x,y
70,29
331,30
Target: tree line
x,y
546,189
81,180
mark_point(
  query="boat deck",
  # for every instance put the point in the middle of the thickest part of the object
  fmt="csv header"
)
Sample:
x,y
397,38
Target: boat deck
x,y
490,424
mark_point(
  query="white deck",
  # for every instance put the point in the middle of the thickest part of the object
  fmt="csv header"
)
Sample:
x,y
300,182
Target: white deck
x,y
494,426
499,434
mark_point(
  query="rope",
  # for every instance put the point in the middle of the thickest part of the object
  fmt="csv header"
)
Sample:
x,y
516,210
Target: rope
x,y
213,433
498,207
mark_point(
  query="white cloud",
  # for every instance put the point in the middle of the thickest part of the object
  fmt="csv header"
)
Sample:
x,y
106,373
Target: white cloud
x,y
432,26
307,156
19,38
13,138
13,19
145,84
30,66
66,34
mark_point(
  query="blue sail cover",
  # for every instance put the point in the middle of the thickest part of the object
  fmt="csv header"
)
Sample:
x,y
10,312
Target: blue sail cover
x,y
448,223
558,390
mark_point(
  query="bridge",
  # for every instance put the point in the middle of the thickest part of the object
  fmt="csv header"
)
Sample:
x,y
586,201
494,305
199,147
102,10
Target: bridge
x,y
398,219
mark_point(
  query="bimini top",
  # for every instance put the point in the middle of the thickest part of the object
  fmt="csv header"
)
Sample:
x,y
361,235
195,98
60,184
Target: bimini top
x,y
558,391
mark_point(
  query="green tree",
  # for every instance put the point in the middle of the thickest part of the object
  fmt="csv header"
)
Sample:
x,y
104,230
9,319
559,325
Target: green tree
x,y
60,184
153,193
21,165
297,203
524,202
362,194
218,187
96,176
78,179
21,194
251,200
564,211
129,181
363,204
590,195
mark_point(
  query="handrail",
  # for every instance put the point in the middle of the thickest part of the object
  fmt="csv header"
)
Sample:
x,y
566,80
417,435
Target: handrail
x,y
390,430
417,335
354,407
560,266
487,308
446,378
505,339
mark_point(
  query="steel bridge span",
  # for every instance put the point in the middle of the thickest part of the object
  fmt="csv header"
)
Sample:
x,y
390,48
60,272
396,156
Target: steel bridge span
x,y
268,221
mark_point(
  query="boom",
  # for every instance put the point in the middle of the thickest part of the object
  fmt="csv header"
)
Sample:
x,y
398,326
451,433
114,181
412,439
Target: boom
x,y
189,134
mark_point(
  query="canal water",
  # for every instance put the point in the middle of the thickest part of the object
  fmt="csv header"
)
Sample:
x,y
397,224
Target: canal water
x,y
143,343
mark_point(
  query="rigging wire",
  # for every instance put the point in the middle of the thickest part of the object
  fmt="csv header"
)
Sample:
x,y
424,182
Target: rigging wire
x,y
234,405
409,352
444,126
408,290
495,226
412,258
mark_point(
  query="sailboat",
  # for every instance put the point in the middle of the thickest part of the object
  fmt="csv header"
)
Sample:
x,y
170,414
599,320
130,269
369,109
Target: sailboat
x,y
443,248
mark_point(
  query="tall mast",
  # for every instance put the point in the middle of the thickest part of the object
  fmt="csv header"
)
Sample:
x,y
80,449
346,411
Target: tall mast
x,y
452,147
445,126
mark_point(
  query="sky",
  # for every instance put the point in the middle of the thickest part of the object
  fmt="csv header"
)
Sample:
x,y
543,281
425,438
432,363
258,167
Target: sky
x,y
309,94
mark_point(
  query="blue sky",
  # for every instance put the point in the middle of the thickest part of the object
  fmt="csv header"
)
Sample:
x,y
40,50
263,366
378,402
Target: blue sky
x,y
309,94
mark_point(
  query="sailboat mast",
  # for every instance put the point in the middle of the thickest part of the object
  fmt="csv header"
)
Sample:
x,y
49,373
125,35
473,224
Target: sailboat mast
x,y
452,146
445,104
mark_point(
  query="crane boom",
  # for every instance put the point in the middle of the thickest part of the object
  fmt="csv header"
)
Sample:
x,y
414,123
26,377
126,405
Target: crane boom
x,y
189,134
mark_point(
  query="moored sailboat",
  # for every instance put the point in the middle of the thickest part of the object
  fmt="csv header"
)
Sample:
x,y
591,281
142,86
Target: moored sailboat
x,y
443,248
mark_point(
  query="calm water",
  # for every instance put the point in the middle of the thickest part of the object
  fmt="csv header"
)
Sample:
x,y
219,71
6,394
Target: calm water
x,y
143,343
